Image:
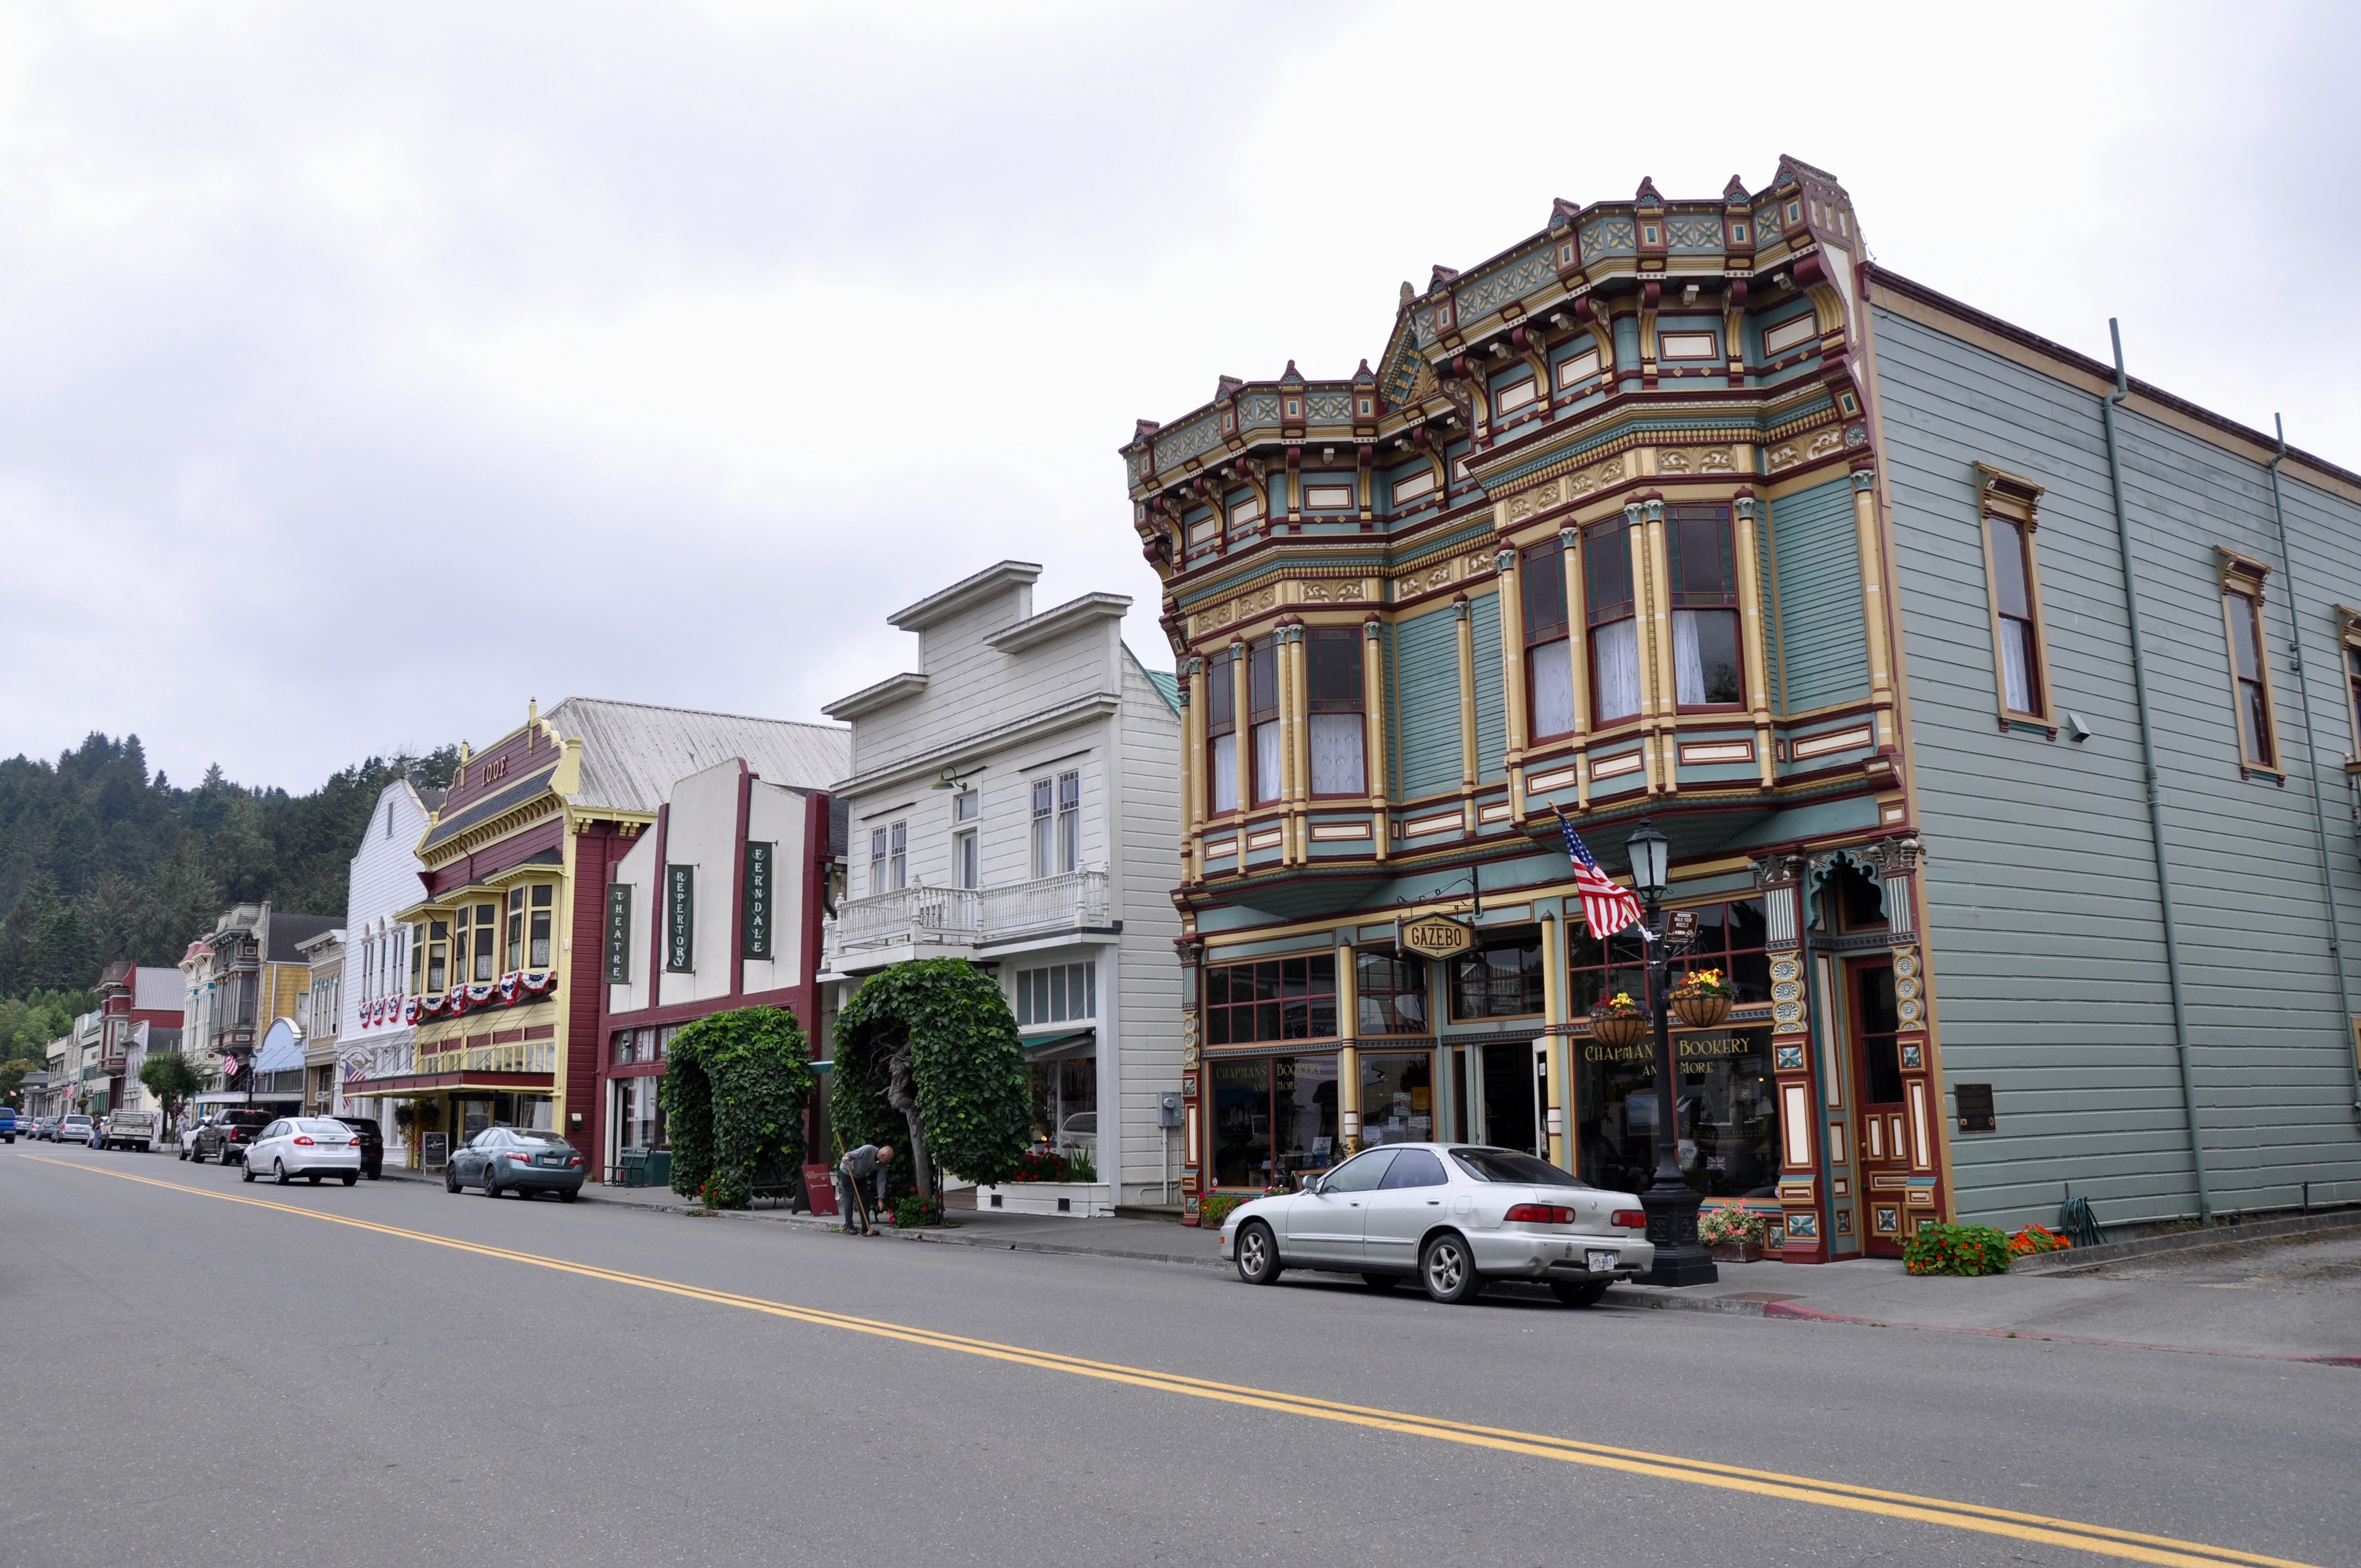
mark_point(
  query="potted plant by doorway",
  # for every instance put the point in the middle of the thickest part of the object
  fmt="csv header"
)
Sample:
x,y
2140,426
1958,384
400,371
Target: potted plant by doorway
x,y
1619,1021
1735,1234
1703,998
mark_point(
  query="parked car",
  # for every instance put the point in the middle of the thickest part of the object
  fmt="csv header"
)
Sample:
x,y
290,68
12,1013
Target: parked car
x,y
45,1130
308,1146
76,1129
372,1144
129,1130
508,1160
1451,1216
8,1124
227,1135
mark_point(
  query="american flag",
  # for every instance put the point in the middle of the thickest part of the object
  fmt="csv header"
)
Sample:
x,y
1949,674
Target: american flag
x,y
1606,907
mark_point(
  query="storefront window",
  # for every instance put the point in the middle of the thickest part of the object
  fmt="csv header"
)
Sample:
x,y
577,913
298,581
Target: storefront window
x,y
1272,1117
1275,999
1392,988
641,1112
1396,1098
1729,1113
1729,938
1066,1102
1499,979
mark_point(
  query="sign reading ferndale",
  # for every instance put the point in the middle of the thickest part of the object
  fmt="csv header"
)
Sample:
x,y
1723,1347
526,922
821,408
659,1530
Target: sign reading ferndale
x,y
1437,936
756,912
680,919
618,934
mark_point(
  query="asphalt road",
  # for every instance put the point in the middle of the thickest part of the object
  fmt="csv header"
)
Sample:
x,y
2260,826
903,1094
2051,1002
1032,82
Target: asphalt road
x,y
193,1380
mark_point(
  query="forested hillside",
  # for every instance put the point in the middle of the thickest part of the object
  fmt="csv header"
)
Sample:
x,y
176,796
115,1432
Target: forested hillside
x,y
100,860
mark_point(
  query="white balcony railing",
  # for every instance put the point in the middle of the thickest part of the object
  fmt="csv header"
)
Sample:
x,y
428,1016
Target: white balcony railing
x,y
965,917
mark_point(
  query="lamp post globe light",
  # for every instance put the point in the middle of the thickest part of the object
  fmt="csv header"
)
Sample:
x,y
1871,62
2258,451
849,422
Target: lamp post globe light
x,y
1670,1203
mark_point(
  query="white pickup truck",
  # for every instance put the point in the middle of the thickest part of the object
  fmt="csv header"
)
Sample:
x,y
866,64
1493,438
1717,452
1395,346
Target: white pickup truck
x,y
129,1130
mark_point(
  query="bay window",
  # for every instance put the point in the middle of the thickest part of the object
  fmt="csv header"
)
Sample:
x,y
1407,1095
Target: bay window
x,y
438,947
1705,664
1221,738
487,939
1611,610
1262,714
1339,755
1549,663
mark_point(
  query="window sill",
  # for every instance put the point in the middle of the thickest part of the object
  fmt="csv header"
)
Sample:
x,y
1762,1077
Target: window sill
x,y
2251,771
2027,724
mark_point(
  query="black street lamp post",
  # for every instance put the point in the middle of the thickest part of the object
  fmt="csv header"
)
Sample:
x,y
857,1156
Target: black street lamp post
x,y
1671,1203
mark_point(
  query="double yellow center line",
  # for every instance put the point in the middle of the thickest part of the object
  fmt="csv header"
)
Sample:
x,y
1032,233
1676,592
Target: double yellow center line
x,y
2128,1545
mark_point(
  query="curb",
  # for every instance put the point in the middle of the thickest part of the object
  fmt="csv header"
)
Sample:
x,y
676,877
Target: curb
x,y
2085,1257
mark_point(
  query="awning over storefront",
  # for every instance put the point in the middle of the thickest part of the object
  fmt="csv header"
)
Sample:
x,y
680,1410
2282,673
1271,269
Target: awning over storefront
x,y
416,1084
1052,1048
240,1097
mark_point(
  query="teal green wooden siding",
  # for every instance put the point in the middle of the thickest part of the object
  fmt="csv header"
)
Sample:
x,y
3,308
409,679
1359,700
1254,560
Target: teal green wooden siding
x,y
1426,675
2044,932
1766,573
1821,630
1492,701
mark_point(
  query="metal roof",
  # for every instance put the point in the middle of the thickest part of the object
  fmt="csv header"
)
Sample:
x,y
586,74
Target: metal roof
x,y
633,753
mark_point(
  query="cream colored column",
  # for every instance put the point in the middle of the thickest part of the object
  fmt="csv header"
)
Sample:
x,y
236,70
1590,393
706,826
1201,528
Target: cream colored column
x,y
1750,617
1553,1117
1643,610
1466,716
1872,597
1348,1059
1373,729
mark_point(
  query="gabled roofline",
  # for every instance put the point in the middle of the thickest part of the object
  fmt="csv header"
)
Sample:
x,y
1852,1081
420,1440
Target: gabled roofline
x,y
869,699
938,606
1065,618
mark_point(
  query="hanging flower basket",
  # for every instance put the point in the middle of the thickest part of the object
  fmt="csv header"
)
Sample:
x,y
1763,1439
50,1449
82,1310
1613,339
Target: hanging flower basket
x,y
1703,998
1618,1022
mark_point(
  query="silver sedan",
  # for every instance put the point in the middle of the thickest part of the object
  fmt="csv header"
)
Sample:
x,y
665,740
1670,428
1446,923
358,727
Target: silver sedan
x,y
1451,1216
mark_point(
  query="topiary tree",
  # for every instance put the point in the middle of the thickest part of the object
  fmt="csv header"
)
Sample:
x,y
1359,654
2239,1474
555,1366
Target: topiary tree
x,y
931,1043
171,1078
735,1088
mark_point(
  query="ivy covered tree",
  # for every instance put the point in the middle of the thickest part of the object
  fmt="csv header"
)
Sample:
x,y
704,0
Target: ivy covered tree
x,y
928,1052
171,1078
736,1086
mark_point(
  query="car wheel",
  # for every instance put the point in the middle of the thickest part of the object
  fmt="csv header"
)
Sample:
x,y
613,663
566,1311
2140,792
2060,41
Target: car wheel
x,y
249,1173
491,1185
1448,1270
314,1179
1381,1281
1579,1292
1258,1254
568,1197
279,1172
450,1180
349,1180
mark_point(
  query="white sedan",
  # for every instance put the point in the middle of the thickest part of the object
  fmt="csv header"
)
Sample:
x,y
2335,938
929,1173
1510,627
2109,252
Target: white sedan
x,y
1451,1216
309,1146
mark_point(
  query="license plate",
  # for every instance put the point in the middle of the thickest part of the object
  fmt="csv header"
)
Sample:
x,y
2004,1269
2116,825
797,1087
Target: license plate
x,y
1599,1262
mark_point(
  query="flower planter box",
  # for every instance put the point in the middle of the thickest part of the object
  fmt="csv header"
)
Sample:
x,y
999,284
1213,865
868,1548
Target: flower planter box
x,y
1068,1200
1737,1252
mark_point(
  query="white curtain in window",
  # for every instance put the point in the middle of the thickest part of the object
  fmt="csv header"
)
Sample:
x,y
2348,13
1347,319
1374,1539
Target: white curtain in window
x,y
1266,779
1225,774
1336,753
1553,672
1688,666
1618,646
2016,664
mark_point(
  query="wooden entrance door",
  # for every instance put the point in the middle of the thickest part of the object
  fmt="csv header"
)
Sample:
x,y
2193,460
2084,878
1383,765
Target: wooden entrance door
x,y
1882,1129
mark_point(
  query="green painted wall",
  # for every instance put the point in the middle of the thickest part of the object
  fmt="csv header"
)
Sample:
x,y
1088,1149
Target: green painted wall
x,y
2044,940
1821,630
1491,700
1427,681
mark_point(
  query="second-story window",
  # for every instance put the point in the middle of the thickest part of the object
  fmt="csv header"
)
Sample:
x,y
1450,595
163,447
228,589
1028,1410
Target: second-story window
x,y
2242,613
2021,681
544,912
897,855
1549,666
1044,827
487,941
438,948
1338,754
1609,607
1221,738
877,861
1262,714
2353,686
1706,665
1070,822
516,928
967,867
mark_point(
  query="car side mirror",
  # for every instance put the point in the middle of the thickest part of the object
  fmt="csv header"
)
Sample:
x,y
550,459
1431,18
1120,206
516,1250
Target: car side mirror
x,y
1318,1186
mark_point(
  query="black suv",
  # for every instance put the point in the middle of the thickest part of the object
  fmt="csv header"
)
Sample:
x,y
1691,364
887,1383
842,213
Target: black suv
x,y
372,1144
228,1135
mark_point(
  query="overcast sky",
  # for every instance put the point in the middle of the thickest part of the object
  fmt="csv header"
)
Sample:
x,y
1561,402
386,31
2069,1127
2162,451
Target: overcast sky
x,y
367,371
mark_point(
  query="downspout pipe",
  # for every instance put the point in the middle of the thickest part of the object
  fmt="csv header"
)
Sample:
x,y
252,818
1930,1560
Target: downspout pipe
x,y
2155,786
2312,753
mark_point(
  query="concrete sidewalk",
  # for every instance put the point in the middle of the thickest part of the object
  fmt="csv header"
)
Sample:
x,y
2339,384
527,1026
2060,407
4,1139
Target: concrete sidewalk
x,y
2294,1297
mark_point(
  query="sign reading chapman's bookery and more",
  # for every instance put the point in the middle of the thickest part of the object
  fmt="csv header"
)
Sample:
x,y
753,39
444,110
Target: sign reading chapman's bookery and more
x,y
1729,1137
756,911
680,919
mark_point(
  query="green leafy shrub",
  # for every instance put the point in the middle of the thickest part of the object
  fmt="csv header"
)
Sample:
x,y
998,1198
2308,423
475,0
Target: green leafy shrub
x,y
1079,1166
944,1026
911,1212
1957,1249
736,1086
1213,1209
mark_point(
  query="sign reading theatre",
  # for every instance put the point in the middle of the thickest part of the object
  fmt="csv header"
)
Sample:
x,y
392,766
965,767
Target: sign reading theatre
x,y
618,934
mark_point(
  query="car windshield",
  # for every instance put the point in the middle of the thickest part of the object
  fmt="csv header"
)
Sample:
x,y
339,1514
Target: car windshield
x,y
72,1121
361,1125
1514,1169
538,1140
248,1119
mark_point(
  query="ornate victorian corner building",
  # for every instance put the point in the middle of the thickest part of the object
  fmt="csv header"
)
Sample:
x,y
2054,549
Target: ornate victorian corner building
x,y
1649,517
